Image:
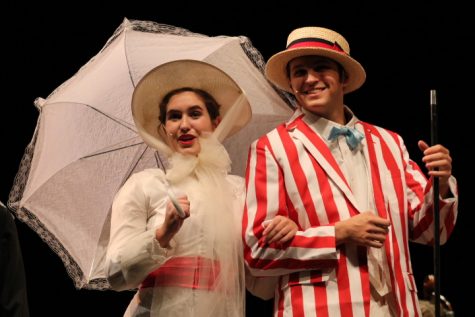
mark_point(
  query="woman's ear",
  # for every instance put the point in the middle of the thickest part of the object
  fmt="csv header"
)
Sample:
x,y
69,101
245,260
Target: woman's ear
x,y
216,122
166,136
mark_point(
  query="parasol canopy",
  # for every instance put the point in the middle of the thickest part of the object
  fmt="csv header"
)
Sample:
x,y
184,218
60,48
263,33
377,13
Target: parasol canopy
x,y
85,145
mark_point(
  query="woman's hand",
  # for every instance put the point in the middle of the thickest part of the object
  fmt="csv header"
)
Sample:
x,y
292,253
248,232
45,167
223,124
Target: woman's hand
x,y
280,230
173,221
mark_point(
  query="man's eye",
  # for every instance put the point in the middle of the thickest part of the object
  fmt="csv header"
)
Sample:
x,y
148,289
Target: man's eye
x,y
299,72
321,68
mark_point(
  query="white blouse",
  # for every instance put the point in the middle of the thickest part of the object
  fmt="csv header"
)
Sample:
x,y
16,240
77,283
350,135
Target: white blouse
x,y
212,233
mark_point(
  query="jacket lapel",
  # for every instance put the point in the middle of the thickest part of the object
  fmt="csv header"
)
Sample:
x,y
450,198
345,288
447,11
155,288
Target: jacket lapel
x,y
318,148
372,142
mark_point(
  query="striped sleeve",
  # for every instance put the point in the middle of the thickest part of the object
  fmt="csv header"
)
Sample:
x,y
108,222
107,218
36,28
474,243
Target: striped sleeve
x,y
313,248
421,203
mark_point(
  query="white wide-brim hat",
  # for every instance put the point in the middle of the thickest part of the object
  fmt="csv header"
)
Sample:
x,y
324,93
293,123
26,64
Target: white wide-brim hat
x,y
186,73
315,41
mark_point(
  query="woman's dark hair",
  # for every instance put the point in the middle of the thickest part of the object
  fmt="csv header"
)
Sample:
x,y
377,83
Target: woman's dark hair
x,y
211,104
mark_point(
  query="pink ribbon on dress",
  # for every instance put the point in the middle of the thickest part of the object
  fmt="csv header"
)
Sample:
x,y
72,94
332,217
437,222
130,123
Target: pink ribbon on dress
x,y
187,271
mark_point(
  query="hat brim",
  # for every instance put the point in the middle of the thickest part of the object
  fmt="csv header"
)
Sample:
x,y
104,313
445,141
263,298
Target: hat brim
x,y
177,74
276,67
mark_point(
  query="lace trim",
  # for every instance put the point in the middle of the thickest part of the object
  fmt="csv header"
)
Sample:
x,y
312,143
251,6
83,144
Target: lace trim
x,y
21,177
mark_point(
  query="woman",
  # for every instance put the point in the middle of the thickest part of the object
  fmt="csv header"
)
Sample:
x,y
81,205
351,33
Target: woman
x,y
188,265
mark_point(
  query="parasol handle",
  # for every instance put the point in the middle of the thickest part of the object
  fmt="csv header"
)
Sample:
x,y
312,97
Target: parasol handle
x,y
172,196
170,192
434,141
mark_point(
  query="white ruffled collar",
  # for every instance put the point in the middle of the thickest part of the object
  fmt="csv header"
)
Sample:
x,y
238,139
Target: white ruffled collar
x,y
213,158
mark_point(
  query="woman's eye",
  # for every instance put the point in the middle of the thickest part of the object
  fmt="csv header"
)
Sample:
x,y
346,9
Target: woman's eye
x,y
195,114
174,116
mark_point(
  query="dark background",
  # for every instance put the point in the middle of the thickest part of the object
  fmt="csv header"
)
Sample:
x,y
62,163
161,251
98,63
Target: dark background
x,y
405,50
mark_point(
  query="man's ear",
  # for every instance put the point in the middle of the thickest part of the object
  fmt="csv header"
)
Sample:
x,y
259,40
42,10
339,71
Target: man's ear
x,y
344,78
294,91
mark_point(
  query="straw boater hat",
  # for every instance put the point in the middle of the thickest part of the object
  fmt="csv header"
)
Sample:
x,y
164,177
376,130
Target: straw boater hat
x,y
151,89
315,41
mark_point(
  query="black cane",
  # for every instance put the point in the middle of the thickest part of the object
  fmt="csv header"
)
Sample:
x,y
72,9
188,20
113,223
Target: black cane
x,y
434,141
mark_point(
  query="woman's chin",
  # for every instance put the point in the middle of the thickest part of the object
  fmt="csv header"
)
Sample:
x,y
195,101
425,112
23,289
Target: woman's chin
x,y
193,150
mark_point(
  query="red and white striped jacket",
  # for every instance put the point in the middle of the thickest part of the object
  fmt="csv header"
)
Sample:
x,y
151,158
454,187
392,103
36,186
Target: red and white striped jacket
x,y
291,172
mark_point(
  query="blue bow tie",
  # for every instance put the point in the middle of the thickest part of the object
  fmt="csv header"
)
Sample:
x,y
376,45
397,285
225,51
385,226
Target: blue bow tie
x,y
353,136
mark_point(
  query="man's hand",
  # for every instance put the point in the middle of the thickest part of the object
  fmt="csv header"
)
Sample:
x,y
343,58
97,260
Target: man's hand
x,y
365,229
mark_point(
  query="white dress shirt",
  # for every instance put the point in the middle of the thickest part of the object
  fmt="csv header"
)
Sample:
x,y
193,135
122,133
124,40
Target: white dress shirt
x,y
359,181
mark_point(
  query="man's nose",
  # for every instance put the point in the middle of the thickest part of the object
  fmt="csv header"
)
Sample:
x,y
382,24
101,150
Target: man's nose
x,y
312,76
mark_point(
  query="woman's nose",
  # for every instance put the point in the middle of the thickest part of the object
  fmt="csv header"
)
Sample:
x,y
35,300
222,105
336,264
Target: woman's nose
x,y
184,124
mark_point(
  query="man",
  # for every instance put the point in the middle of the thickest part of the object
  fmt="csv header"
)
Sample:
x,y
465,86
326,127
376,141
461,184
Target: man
x,y
13,298
427,302
350,186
